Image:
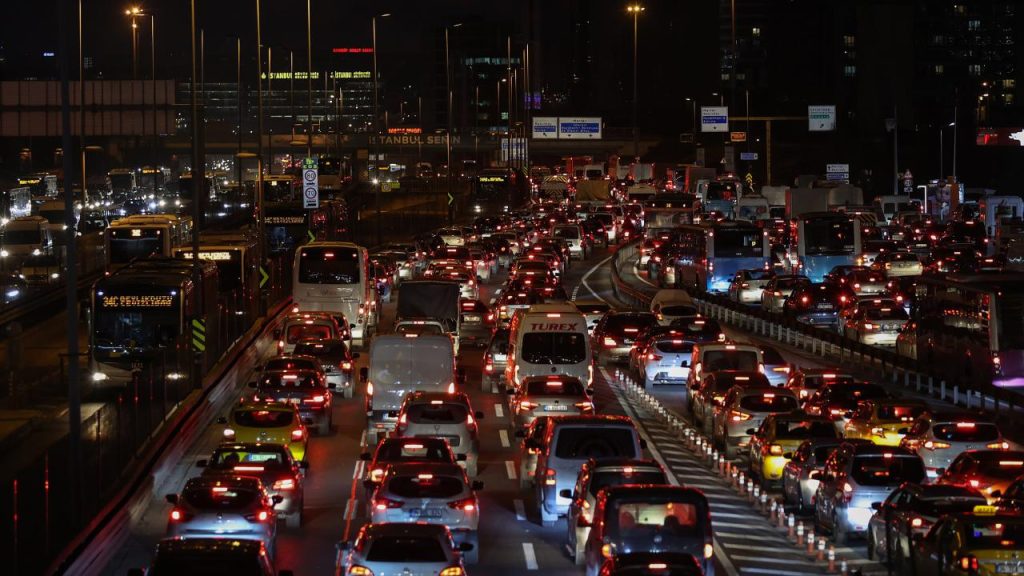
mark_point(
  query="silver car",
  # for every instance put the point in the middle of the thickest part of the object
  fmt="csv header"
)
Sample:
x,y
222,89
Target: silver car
x,y
553,395
235,507
431,493
940,437
747,285
405,548
798,487
742,411
442,415
495,361
778,289
335,359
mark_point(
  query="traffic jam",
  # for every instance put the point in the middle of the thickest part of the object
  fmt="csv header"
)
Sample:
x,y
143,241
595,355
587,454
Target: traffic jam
x,y
492,369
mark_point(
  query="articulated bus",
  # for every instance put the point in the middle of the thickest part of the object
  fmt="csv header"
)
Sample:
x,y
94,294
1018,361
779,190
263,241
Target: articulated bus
x,y
972,327
823,240
335,277
234,253
141,319
711,254
142,236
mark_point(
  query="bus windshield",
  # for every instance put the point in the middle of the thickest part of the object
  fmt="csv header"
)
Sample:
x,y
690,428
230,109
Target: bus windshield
x,y
134,323
337,265
121,182
126,245
738,243
285,230
828,237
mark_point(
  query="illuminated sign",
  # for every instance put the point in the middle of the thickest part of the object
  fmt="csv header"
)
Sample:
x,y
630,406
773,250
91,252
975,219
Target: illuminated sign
x,y
133,301
302,75
405,130
492,179
208,255
286,220
352,50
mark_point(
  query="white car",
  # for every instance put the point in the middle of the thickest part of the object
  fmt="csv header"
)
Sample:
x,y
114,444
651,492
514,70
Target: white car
x,y
406,548
746,287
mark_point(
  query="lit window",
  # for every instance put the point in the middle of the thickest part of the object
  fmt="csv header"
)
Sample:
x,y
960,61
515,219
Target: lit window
x,y
974,25
755,32
1008,99
849,40
939,69
1009,83
974,69
849,70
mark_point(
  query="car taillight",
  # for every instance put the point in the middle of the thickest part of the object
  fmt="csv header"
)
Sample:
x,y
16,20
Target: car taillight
x,y
585,405
384,504
916,522
453,571
358,570
709,551
377,474
369,388
318,399
549,477
261,516
285,484
775,450
969,563
451,387
346,366
737,416
466,504
280,346
998,446
653,357
936,445
847,491
609,342
298,434
229,434
179,515
489,366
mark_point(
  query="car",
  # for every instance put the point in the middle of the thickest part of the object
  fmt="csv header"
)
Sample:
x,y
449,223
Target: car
x,y
875,322
476,322
495,360
643,518
883,421
211,557
780,435
571,441
534,439
714,356
413,548
799,476
306,326
741,412
746,286
775,292
699,329
964,543
710,392
854,478
236,507
838,401
336,360
579,247
595,475
553,395
776,368
431,493
940,436
651,564
818,304
593,311
908,513
443,415
895,264
42,270
873,248
263,421
307,389
273,464
665,360
989,471
805,381
865,283
613,337
393,450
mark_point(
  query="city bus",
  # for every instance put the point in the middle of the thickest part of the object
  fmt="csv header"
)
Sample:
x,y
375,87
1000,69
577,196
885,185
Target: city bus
x,y
234,253
15,203
289,225
334,277
823,240
710,254
972,326
670,210
141,320
141,236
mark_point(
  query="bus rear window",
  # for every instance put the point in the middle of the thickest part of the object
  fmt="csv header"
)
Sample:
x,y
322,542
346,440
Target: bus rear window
x,y
554,347
738,243
715,360
329,266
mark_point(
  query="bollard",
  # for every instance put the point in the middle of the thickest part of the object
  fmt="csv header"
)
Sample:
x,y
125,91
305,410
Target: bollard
x,y
743,483
843,569
773,512
764,502
734,473
831,559
750,490
821,549
810,542
782,514
756,492
791,524
800,534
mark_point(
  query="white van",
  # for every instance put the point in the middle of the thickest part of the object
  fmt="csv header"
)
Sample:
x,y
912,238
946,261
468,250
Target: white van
x,y
400,364
671,303
549,339
24,237
335,277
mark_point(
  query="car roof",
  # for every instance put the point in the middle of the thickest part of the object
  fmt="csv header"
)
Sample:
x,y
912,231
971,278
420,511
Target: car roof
x,y
592,419
404,529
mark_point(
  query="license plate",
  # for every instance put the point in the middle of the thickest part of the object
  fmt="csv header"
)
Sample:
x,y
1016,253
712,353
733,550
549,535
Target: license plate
x,y
823,307
471,318
295,401
1008,568
425,513
556,408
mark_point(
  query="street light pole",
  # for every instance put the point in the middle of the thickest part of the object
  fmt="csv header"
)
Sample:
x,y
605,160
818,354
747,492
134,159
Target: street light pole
x,y
309,79
635,10
238,94
81,104
376,125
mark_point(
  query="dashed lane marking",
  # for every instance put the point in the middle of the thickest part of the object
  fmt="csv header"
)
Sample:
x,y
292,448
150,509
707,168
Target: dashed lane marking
x,y
499,412
503,436
530,556
510,468
520,509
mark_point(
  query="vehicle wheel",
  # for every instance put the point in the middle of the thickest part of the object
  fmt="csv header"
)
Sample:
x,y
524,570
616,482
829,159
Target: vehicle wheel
x,y
294,520
323,427
473,556
839,534
871,545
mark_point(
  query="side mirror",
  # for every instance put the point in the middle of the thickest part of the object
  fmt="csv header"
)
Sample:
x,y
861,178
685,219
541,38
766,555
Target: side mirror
x,y
355,355
364,374
331,385
520,433
365,457
477,485
565,493
222,420
590,391
201,463
277,498
465,547
876,505
685,364
940,471
848,414
817,475
460,457
171,498
479,415
751,431
251,384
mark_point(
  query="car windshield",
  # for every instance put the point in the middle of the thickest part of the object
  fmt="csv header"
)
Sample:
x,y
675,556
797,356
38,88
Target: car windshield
x,y
792,430
427,449
437,412
425,485
679,310
828,236
887,469
423,329
738,243
231,457
554,347
290,364
654,517
297,332
263,418
406,549
902,413
999,464
1000,534
966,432
744,360
568,232
855,391
604,478
290,380
759,274
582,442
897,313
769,402
936,507
220,498
674,346
330,349
499,345
629,322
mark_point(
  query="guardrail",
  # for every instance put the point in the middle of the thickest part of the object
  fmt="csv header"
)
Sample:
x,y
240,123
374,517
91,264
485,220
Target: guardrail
x,y
884,365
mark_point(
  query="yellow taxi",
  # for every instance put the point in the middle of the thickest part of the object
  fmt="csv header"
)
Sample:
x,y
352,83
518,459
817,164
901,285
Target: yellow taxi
x,y
884,421
984,542
989,471
779,435
269,423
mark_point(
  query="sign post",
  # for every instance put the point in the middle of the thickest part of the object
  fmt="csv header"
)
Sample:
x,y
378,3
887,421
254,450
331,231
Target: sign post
x,y
310,183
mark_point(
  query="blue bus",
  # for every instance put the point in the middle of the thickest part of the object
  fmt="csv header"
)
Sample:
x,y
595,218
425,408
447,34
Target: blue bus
x,y
709,254
823,240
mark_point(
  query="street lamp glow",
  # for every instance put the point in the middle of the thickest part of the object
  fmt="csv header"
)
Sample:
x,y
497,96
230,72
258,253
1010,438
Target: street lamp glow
x,y
635,8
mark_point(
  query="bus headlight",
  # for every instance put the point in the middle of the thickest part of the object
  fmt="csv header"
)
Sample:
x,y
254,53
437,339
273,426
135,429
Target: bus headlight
x,y
98,376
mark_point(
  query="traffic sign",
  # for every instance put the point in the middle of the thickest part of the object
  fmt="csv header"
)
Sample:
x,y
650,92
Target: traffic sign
x,y
263,276
821,118
450,198
714,118
579,128
749,179
310,184
738,137
748,156
837,172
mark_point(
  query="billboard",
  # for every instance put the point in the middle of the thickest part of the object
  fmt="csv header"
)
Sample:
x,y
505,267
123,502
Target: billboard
x,y
1000,137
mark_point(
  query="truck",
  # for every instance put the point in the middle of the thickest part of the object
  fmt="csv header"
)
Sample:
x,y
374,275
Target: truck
x,y
593,191
431,299
641,172
992,210
400,364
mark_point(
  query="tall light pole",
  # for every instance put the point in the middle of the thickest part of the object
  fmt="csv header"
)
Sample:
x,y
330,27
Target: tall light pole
x,y
260,230
448,97
81,104
136,12
376,124
635,10
135,43
309,79
238,125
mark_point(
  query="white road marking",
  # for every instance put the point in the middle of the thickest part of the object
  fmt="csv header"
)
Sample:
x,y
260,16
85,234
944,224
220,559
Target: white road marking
x,y
747,570
503,436
357,470
499,412
520,509
771,549
530,555
510,468
583,281
348,509
362,439
636,272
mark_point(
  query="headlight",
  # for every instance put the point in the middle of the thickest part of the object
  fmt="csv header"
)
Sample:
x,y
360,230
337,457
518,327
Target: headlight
x,y
37,252
55,275
4,253
98,376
